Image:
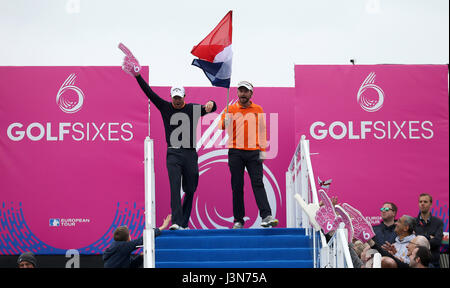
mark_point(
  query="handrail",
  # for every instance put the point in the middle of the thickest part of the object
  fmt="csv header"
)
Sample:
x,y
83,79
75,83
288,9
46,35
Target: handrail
x,y
376,260
149,238
339,252
344,245
300,185
305,146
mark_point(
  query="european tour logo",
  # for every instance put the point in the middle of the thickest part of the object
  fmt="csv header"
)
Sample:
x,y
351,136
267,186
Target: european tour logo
x,y
380,129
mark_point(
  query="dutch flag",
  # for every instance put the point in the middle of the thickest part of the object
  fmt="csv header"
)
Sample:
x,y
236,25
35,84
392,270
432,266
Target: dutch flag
x,y
215,54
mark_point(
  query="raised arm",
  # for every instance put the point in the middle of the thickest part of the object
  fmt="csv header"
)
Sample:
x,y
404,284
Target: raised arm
x,y
158,101
132,67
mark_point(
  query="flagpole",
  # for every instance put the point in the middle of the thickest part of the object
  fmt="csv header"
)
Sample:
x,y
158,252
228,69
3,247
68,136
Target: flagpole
x,y
228,97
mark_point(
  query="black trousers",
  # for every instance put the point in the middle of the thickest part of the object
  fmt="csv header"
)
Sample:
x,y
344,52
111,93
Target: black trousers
x,y
182,166
238,160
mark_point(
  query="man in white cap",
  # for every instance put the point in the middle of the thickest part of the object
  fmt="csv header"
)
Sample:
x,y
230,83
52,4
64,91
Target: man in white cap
x,y
246,128
180,122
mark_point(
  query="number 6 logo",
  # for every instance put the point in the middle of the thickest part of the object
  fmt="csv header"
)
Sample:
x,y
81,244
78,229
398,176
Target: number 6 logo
x,y
368,104
68,105
329,226
366,235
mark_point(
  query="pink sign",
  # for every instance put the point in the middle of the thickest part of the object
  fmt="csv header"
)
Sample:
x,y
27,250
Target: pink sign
x,y
326,216
212,205
379,131
71,149
71,164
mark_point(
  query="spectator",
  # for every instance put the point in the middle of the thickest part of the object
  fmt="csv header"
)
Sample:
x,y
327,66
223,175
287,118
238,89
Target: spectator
x,y
420,257
359,247
356,260
418,241
27,260
118,254
367,255
404,228
414,243
388,262
429,226
385,231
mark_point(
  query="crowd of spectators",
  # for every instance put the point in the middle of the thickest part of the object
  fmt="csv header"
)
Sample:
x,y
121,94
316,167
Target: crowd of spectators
x,y
404,242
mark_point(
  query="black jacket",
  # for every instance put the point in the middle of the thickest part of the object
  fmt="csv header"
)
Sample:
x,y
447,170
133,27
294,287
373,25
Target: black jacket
x,y
433,227
118,254
169,114
384,233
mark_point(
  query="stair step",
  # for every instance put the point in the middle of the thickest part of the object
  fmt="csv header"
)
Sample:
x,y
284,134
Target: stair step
x,y
191,255
233,232
222,242
238,264
234,248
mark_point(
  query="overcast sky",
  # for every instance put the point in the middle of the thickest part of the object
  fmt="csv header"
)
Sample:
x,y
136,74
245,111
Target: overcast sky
x,y
269,37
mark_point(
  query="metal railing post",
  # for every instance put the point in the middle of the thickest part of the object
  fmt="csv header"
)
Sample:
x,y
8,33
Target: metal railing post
x,y
290,203
149,235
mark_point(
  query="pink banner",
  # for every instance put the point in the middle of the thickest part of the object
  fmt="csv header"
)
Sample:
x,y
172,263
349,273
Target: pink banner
x,y
380,132
71,149
71,157
212,205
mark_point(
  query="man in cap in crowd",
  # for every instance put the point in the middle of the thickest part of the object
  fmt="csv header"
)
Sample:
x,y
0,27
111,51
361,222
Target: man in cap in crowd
x,y
245,125
27,260
180,123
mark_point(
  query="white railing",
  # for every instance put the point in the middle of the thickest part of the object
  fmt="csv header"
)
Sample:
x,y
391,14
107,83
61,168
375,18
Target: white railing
x,y
300,183
339,250
149,234
376,260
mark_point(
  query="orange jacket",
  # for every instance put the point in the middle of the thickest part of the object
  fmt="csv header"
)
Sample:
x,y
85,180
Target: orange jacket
x,y
248,131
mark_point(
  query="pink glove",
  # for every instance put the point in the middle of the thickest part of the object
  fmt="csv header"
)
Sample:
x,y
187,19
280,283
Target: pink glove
x,y
326,216
130,63
344,217
363,229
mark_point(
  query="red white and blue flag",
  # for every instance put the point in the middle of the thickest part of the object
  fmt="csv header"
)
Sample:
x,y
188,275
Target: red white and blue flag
x,y
215,54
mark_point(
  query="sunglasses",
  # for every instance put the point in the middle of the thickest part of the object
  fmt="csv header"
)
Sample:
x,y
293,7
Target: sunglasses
x,y
385,209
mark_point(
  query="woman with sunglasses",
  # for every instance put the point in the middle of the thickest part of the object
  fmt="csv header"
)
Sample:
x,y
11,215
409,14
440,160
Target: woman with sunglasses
x,y
384,232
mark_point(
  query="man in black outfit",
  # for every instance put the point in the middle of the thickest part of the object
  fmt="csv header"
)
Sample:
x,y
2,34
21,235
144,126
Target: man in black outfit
x,y
385,231
429,226
118,254
180,124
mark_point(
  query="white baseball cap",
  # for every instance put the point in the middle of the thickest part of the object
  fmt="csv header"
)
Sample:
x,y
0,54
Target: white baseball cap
x,y
246,84
177,91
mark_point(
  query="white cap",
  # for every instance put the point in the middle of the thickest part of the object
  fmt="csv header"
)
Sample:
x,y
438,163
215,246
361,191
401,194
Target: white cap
x,y
177,91
246,84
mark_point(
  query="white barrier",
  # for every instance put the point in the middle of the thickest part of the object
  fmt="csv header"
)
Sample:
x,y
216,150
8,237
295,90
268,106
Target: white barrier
x,y
376,260
149,234
300,185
